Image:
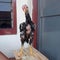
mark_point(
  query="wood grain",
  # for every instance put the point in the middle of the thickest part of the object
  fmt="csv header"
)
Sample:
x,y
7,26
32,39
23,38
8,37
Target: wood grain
x,y
26,55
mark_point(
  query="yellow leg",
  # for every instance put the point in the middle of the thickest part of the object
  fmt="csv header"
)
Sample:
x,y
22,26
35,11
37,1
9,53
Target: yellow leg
x,y
21,52
31,51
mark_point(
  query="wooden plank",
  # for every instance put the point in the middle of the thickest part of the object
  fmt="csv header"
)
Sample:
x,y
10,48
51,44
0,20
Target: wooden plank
x,y
26,55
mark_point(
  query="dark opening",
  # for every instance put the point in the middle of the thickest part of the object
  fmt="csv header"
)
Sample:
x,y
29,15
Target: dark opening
x,y
5,19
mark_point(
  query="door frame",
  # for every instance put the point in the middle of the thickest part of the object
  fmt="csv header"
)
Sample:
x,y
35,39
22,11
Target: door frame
x,y
35,19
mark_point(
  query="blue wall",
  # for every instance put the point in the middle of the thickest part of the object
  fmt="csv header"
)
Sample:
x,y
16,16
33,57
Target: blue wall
x,y
48,39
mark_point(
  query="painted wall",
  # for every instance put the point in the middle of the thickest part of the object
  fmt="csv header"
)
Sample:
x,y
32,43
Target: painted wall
x,y
9,43
48,39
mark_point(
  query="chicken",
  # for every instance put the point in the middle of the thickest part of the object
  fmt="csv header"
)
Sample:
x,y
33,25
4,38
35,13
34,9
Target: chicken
x,y
27,29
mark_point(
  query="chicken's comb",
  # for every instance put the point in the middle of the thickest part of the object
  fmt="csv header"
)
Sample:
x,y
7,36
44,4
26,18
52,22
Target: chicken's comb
x,y
24,6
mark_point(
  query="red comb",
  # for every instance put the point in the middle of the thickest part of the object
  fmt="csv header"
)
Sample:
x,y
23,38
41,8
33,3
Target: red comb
x,y
24,6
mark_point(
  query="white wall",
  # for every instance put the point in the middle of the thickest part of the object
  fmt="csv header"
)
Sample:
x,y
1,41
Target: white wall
x,y
9,43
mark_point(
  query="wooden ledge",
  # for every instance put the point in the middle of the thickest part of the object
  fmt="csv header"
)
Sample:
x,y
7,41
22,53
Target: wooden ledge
x,y
36,55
